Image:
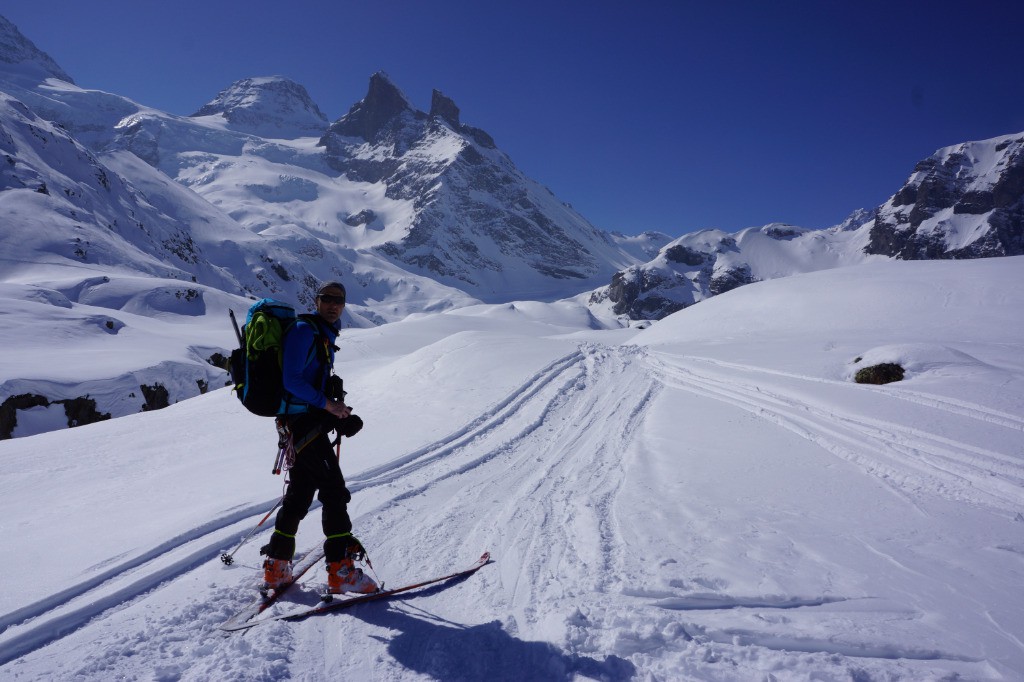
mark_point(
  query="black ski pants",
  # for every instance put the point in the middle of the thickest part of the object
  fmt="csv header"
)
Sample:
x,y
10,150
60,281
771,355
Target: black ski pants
x,y
316,469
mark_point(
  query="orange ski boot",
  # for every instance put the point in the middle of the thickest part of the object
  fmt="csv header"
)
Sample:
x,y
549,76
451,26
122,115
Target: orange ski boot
x,y
343,576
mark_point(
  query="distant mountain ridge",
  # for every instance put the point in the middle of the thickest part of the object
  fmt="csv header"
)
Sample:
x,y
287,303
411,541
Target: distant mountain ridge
x,y
964,201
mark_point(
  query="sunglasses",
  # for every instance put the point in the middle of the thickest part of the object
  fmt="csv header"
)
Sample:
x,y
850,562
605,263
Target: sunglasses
x,y
327,298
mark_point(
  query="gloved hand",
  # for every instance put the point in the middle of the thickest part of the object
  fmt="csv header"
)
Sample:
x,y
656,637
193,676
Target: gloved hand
x,y
349,426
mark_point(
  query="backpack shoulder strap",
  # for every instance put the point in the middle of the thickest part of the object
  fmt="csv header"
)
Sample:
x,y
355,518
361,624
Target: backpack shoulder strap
x,y
321,341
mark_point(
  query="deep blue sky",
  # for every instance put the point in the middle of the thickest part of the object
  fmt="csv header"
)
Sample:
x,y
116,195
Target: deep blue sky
x,y
669,115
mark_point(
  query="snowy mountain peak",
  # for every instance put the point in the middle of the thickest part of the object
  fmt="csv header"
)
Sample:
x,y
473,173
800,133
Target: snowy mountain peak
x,y
19,56
480,225
272,106
383,102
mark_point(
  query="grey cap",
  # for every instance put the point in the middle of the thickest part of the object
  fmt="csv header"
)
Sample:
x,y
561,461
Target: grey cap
x,y
331,285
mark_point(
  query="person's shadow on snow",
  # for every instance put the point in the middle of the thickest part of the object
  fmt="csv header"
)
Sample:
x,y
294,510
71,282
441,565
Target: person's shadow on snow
x,y
450,652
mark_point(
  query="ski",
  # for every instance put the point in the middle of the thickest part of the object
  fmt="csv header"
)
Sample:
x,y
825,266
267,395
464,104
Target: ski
x,y
264,601
345,602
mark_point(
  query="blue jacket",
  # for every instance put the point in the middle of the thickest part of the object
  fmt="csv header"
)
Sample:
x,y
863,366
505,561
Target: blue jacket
x,y
302,369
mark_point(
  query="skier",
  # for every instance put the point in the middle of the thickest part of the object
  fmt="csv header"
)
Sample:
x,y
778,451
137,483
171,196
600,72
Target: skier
x,y
314,406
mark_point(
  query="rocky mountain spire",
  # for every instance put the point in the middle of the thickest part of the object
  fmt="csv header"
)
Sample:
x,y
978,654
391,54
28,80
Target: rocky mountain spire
x,y
383,102
443,107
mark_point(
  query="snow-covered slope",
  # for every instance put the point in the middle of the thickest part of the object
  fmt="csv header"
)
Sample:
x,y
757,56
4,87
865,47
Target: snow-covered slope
x,y
85,249
24,58
711,498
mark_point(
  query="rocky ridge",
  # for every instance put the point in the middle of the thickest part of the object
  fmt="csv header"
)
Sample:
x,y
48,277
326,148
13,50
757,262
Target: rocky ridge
x,y
964,201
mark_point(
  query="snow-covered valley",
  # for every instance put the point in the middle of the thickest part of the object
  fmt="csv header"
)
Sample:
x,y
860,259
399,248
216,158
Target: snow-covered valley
x,y
711,498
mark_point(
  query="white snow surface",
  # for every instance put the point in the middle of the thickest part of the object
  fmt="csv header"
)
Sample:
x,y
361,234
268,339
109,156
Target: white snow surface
x,y
711,498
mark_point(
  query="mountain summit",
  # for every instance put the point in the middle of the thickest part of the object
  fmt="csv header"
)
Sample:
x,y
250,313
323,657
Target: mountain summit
x,y
273,107
368,117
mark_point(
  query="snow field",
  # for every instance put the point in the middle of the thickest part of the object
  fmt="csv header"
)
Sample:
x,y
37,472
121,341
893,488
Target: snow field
x,y
708,499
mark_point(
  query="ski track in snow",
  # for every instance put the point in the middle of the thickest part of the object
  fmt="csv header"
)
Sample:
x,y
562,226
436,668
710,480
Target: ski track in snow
x,y
535,480
905,457
69,609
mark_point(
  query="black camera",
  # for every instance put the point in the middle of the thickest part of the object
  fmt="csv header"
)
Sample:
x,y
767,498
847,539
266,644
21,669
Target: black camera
x,y
335,388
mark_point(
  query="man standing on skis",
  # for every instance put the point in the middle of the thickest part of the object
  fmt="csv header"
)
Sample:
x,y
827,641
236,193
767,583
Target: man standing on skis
x,y
314,406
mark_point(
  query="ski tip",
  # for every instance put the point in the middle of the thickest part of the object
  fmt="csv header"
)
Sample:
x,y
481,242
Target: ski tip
x,y
485,558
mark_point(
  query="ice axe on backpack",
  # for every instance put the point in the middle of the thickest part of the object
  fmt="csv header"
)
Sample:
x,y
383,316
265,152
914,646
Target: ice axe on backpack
x,y
234,323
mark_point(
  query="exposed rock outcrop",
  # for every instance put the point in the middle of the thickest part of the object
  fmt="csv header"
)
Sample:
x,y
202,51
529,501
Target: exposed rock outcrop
x,y
965,201
78,411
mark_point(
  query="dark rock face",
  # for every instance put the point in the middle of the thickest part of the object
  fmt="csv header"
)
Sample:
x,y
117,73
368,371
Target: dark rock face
x,y
653,308
370,116
885,373
781,232
624,289
79,411
156,397
684,272
444,108
732,278
638,294
364,217
976,188
685,255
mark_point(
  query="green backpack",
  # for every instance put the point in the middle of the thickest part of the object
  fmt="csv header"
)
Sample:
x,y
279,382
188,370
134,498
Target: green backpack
x,y
256,364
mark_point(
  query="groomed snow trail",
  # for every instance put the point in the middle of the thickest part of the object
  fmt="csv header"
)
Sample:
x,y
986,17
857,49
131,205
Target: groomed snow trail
x,y
564,481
